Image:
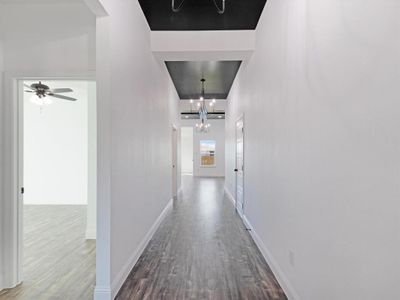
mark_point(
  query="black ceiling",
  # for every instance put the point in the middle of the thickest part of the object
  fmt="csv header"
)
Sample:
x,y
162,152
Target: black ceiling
x,y
219,76
202,14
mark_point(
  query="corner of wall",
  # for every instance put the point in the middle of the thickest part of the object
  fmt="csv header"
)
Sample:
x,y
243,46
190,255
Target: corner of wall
x,y
127,268
273,264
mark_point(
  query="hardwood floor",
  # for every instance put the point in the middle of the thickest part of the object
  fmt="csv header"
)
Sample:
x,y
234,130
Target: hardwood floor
x,y
201,251
58,262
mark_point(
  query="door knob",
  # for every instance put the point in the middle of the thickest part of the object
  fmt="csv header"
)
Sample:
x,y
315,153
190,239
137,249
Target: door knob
x,y
236,170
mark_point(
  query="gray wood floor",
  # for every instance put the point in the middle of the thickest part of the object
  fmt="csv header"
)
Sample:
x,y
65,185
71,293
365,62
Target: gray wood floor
x,y
58,262
201,251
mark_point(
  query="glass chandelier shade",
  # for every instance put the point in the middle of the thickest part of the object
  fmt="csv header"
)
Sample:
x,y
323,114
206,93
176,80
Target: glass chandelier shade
x,y
203,126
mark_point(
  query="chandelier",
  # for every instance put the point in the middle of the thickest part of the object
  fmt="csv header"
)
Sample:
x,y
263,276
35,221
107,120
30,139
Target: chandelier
x,y
203,126
220,9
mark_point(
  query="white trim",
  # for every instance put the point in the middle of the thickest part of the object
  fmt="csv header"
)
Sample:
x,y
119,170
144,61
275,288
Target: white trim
x,y
102,293
90,233
273,264
106,293
230,196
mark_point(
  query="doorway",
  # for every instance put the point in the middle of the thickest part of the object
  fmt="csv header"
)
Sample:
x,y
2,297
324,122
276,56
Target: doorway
x,y
57,174
174,162
239,169
187,150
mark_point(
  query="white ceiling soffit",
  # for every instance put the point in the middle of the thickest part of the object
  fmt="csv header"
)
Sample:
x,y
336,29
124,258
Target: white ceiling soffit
x,y
203,45
94,5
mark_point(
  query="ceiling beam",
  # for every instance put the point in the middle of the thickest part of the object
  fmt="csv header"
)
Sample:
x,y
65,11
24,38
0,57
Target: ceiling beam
x,y
203,45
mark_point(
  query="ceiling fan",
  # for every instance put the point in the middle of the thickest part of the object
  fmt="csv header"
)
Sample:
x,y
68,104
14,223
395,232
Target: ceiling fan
x,y
42,91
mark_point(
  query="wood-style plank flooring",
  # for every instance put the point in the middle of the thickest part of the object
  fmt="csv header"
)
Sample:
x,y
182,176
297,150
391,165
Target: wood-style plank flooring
x,y
58,262
201,251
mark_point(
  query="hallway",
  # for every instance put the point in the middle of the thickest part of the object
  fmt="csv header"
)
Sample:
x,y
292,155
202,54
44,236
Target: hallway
x,y
201,251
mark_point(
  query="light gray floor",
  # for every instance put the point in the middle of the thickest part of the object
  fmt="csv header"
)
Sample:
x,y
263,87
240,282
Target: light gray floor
x,y
59,263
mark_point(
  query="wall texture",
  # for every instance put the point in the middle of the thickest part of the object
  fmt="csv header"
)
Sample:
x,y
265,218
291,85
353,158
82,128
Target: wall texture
x,y
216,133
321,103
141,110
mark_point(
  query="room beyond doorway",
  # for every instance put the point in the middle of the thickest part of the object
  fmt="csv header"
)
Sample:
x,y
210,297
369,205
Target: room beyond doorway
x,y
57,202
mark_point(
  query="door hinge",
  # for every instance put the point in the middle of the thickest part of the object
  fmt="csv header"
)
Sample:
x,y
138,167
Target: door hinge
x,y
22,190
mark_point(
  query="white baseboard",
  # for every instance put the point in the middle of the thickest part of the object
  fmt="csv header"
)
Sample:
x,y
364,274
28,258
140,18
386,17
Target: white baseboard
x,y
230,196
126,269
280,276
90,233
102,293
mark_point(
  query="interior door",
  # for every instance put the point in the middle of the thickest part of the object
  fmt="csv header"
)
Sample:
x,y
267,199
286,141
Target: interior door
x,y
174,162
239,170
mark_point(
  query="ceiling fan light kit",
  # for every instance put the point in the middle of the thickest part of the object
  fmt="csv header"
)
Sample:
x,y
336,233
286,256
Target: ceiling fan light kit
x,y
177,7
42,92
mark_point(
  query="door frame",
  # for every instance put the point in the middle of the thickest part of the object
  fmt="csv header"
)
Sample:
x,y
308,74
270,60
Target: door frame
x,y
240,118
12,175
174,161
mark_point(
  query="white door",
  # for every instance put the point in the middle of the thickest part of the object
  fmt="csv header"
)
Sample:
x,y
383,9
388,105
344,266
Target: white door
x,y
239,170
187,150
174,162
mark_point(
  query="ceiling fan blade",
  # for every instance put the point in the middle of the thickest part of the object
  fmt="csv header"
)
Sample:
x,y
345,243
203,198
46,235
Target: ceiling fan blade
x,y
28,86
61,97
63,90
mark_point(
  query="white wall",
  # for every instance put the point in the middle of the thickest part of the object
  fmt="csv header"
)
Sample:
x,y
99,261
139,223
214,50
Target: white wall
x,y
217,133
62,41
322,116
60,44
56,148
141,109
2,221
187,150
92,162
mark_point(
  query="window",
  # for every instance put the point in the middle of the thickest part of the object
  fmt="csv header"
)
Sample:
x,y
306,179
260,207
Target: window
x,y
207,153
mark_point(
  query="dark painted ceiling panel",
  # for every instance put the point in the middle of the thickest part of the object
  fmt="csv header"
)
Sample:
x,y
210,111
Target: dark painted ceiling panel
x,y
210,116
202,14
219,76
